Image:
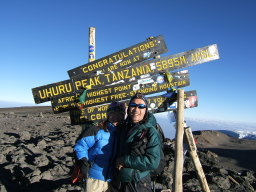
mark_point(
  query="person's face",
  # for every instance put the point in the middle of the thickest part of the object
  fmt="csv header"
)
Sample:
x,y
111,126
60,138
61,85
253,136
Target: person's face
x,y
136,113
115,117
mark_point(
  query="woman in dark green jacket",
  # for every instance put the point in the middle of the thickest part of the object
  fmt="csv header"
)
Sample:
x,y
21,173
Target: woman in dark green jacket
x,y
139,148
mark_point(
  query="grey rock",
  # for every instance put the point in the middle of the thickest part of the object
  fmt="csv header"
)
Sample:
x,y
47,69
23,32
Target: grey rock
x,y
222,182
223,172
60,170
41,161
25,135
47,175
35,179
42,144
41,114
2,158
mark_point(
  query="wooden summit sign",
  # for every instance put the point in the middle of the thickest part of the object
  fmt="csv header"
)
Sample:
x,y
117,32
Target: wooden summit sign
x,y
124,58
118,92
146,68
156,104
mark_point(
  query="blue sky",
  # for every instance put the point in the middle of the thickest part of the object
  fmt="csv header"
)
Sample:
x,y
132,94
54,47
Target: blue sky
x,y
40,40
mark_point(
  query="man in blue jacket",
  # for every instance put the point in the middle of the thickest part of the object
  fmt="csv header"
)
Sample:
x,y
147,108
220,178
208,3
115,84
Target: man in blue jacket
x,y
134,168
97,148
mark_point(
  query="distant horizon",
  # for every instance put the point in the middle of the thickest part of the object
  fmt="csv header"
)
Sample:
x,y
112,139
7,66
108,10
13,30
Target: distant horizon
x,y
12,104
193,117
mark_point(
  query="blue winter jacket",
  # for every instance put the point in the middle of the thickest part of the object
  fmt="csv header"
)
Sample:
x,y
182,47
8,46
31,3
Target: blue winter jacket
x,y
98,146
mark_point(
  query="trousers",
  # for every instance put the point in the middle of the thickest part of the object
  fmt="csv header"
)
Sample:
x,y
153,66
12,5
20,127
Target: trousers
x,y
144,185
95,185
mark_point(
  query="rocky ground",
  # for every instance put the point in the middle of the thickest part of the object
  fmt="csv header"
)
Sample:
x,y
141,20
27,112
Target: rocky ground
x,y
37,155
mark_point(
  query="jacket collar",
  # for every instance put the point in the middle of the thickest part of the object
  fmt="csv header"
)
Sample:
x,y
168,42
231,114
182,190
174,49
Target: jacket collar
x,y
111,127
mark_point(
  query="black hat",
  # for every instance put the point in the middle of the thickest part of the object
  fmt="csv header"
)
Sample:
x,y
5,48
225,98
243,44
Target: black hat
x,y
116,106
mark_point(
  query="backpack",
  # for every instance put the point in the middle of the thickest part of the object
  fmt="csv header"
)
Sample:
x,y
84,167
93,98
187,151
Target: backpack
x,y
162,163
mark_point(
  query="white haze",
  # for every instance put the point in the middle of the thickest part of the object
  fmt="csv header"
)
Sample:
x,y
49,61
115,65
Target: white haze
x,y
235,129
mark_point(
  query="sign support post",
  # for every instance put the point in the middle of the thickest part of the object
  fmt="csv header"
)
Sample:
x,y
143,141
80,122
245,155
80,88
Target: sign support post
x,y
179,142
91,44
91,57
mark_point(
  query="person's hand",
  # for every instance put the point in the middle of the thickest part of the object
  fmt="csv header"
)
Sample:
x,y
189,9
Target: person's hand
x,y
119,163
85,165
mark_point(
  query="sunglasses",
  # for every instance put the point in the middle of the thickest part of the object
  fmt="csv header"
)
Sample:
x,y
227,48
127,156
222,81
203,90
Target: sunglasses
x,y
140,106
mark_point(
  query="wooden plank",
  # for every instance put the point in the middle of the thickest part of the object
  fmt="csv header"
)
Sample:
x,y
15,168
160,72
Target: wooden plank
x,y
193,153
124,58
120,92
157,104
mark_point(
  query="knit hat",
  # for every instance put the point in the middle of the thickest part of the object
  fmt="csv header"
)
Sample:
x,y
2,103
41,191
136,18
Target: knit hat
x,y
117,106
139,95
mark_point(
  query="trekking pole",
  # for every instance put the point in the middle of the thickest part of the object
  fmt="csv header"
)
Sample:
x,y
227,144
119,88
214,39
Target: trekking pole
x,y
179,142
154,184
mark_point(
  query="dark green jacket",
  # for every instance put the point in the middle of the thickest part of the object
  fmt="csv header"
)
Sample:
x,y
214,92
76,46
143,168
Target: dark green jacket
x,y
138,166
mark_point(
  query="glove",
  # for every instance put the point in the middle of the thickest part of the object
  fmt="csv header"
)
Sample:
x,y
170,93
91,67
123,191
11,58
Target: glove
x,y
85,165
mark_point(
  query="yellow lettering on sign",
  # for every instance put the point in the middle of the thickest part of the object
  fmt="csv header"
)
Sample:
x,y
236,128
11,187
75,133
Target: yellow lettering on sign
x,y
117,57
202,54
118,96
66,99
90,109
105,61
126,62
110,60
84,69
126,72
136,58
170,63
102,108
99,92
54,91
60,100
81,84
61,89
95,100
151,43
107,75
100,116
143,47
99,64
94,81
112,68
120,56
78,84
122,88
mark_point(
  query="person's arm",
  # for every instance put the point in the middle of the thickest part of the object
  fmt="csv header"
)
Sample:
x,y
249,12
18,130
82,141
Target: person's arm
x,y
85,143
151,159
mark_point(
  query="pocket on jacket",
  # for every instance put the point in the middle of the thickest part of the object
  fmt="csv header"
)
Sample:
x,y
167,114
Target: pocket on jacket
x,y
126,174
